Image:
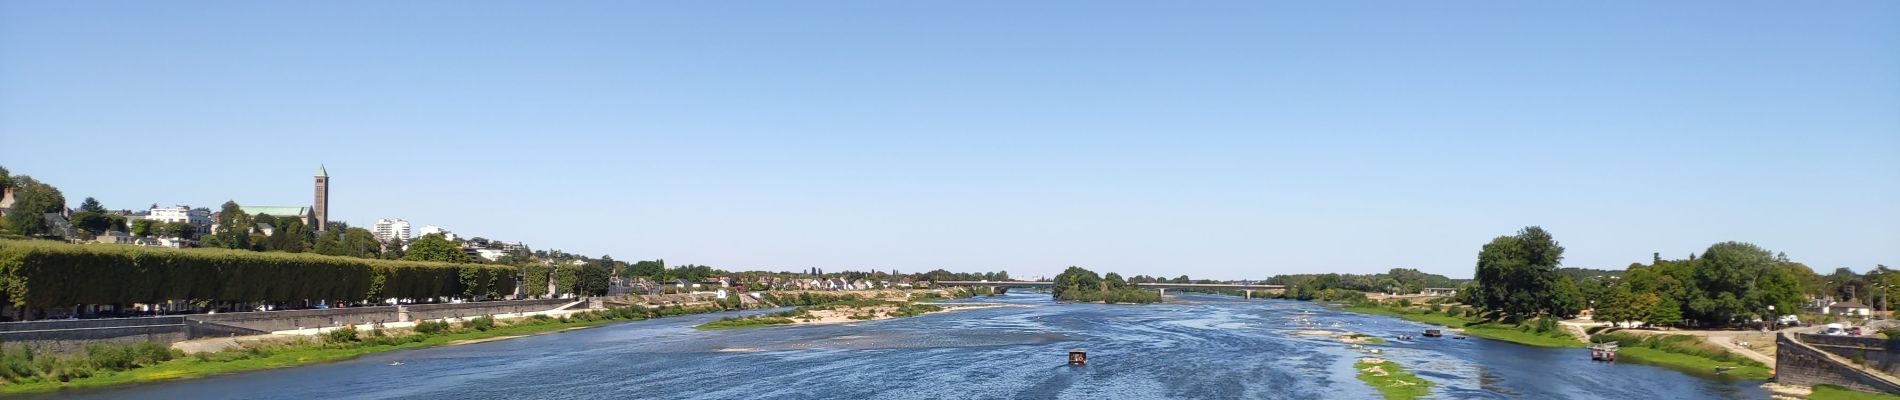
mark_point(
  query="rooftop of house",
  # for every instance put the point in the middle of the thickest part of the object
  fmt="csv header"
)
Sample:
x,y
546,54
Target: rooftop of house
x,y
1848,304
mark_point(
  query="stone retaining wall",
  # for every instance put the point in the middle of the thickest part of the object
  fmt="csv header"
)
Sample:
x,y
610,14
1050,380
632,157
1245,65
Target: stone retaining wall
x,y
71,336
271,321
1873,350
66,336
1798,362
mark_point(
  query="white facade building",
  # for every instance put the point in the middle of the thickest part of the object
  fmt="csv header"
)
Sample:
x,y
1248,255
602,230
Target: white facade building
x,y
198,218
428,229
180,214
387,228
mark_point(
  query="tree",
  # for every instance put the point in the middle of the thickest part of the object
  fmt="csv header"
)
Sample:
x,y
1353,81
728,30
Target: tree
x,y
234,228
144,227
1734,280
1076,280
1616,306
181,230
1516,274
1115,281
1565,298
592,278
360,243
1666,312
31,201
433,247
651,268
92,205
90,222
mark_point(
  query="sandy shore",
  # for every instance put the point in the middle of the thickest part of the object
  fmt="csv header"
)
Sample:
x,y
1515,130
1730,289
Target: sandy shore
x,y
838,316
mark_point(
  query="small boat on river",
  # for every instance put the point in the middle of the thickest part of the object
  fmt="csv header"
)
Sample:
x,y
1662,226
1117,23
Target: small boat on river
x,y
1607,352
1434,333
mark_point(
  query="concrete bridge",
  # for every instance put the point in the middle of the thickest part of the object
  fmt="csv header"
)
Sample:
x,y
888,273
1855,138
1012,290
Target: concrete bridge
x,y
1162,287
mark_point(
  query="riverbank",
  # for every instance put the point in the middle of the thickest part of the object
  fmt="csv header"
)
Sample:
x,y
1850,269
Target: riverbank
x,y
1391,380
1686,353
59,373
1525,334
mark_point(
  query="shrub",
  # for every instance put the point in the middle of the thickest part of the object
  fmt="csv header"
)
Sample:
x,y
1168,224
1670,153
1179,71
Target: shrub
x,y
345,334
1547,325
432,327
483,323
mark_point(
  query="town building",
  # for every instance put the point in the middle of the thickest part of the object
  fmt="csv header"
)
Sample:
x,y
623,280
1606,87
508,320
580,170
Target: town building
x,y
391,228
315,216
322,205
199,218
1852,308
432,229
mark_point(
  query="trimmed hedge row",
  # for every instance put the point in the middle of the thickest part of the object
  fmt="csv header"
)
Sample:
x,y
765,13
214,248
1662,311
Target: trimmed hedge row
x,y
41,274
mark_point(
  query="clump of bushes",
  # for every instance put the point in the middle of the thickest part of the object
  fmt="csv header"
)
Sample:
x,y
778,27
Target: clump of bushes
x,y
483,323
20,364
432,327
342,335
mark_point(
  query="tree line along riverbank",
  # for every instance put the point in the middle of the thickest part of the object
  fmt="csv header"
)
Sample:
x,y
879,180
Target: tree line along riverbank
x,y
36,275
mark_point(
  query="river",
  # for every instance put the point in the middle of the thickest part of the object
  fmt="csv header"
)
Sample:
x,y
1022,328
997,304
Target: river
x,y
1207,347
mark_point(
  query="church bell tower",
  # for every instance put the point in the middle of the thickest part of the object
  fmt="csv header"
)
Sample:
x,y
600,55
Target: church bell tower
x,y
321,208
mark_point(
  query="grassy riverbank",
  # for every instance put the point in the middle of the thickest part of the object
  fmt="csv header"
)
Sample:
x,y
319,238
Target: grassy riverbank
x,y
1529,334
49,373
1831,392
1687,353
1391,380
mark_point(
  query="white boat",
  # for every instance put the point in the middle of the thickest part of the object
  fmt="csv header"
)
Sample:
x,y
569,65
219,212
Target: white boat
x,y
395,363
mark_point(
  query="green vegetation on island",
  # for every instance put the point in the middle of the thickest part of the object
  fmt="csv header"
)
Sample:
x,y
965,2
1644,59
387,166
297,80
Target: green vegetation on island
x,y
24,371
1391,380
1078,284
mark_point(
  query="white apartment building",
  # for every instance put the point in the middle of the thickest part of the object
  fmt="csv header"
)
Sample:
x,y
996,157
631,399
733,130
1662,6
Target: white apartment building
x,y
200,218
387,228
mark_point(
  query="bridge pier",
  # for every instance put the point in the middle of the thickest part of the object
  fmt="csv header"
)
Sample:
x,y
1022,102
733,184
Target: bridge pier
x,y
1164,291
1249,294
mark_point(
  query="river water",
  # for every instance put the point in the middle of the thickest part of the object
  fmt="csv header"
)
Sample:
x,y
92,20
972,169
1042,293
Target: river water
x,y
1208,347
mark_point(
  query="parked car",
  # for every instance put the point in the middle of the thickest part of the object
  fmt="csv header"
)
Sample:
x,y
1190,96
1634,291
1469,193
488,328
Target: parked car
x,y
1854,330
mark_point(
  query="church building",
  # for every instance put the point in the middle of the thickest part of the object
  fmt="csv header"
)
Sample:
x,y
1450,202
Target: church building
x,y
316,216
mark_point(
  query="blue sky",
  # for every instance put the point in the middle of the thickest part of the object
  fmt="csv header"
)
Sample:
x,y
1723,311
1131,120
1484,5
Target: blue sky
x,y
1215,139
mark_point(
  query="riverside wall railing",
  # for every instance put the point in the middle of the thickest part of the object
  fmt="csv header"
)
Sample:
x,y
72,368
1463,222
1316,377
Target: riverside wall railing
x,y
66,336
